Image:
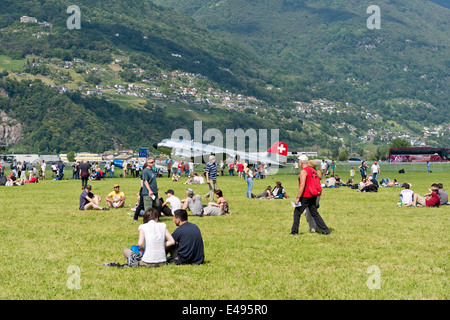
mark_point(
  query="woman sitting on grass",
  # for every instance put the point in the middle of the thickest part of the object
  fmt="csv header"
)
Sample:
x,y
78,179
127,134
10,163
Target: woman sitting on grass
x,y
217,209
267,194
156,238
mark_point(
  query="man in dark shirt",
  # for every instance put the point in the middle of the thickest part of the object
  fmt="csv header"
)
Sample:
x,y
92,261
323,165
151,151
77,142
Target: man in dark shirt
x,y
188,241
85,172
149,186
61,170
88,200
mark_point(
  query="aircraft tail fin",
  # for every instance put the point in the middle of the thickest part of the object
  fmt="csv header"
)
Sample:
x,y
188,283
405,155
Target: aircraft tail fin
x,y
279,148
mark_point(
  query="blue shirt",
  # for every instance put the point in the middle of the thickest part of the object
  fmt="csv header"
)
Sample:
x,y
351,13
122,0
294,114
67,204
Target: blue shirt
x,y
211,169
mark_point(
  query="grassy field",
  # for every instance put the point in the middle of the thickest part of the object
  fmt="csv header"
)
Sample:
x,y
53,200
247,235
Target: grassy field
x,y
249,254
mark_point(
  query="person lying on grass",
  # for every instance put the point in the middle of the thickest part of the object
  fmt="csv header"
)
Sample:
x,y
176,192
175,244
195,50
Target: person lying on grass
x,y
430,199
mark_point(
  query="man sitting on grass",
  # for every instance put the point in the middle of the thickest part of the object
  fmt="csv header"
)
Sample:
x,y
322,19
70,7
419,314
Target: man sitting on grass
x,y
116,198
406,195
443,195
193,203
188,248
431,199
88,200
173,201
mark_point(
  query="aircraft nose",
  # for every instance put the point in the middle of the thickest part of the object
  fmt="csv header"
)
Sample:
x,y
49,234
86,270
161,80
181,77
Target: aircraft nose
x,y
155,145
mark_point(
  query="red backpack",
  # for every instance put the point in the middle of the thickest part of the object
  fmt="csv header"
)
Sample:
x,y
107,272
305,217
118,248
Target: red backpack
x,y
313,183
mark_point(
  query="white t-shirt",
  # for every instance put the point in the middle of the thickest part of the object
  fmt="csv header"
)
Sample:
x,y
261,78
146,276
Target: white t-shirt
x,y
406,195
323,166
199,180
174,202
375,168
155,235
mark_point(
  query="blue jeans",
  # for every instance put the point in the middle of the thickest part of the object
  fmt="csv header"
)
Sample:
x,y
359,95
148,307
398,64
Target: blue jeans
x,y
249,186
375,176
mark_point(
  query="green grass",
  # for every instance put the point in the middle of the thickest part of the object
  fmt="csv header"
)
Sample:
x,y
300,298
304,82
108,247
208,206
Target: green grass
x,y
249,255
9,64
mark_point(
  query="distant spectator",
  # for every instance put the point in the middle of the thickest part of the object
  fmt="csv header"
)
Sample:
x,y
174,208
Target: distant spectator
x,y
32,180
240,169
217,208
375,170
61,170
107,169
88,200
231,169
443,195
323,167
186,169
249,175
54,170
193,203
333,167
211,177
266,194
198,179
406,195
279,192
169,167
330,182
172,200
363,170
116,198
85,172
352,174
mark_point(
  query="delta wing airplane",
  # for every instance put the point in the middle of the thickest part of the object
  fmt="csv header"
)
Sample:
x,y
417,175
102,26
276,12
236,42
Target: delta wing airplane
x,y
185,149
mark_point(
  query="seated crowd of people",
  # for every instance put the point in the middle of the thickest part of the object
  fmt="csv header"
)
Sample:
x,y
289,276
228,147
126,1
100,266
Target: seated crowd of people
x,y
436,197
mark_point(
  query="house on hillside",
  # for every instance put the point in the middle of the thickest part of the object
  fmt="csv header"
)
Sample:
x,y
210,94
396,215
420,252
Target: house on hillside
x,y
26,19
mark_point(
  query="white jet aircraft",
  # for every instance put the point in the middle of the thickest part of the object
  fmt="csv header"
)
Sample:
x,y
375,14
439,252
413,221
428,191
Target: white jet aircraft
x,y
185,149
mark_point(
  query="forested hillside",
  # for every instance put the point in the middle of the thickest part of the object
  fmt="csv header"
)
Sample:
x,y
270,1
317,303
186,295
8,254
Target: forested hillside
x,y
150,33
324,48
136,71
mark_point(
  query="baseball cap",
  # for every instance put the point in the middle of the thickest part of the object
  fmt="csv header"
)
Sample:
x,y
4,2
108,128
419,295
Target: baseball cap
x,y
88,186
190,191
170,191
303,158
116,185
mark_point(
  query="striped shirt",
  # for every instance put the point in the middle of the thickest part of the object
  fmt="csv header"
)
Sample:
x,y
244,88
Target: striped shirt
x,y
211,169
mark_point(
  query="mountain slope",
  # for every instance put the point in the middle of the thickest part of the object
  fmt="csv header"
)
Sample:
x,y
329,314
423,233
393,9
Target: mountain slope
x,y
151,32
324,45
255,48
